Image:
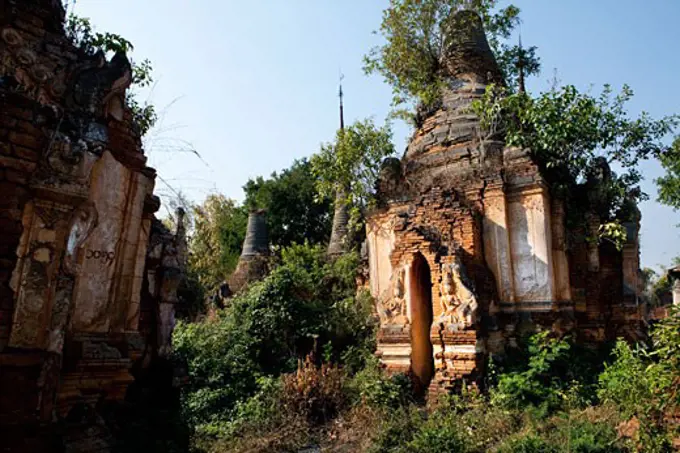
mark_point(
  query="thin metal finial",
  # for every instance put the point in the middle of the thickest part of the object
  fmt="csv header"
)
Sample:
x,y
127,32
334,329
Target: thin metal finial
x,y
340,95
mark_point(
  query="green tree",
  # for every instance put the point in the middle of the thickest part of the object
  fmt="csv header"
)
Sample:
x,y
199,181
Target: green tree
x,y
219,226
351,164
295,213
415,31
574,137
669,184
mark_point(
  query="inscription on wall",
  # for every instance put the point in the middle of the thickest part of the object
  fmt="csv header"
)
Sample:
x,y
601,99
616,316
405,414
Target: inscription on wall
x,y
103,256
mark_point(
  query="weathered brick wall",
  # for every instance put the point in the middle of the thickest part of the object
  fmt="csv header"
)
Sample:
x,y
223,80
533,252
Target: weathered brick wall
x,y
21,145
75,214
483,217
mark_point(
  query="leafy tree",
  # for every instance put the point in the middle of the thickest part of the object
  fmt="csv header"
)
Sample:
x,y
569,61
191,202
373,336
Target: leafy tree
x,y
575,136
295,213
412,59
81,32
216,239
669,184
351,165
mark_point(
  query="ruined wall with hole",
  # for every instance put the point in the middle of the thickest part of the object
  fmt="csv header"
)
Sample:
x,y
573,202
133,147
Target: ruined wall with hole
x,y
76,213
502,260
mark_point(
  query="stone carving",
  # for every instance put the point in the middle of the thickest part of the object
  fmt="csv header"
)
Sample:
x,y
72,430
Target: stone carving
x,y
394,308
98,86
72,160
22,62
84,221
458,300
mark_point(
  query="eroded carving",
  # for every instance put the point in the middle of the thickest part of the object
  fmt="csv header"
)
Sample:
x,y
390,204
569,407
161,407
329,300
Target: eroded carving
x,y
84,221
458,299
393,307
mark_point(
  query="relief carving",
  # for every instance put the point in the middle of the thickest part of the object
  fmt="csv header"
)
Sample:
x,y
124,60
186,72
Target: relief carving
x,y
393,309
98,86
458,300
22,62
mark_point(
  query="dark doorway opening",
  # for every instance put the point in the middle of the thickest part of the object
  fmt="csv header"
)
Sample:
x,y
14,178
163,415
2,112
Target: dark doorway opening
x,y
422,360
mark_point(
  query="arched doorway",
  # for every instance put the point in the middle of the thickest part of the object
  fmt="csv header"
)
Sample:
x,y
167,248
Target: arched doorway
x,y
420,290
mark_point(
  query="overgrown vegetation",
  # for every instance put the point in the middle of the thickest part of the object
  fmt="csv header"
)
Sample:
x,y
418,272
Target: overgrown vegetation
x,y
412,60
560,398
575,137
307,305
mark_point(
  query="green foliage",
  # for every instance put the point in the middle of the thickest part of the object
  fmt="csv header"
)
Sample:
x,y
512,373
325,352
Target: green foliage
x,y
526,443
219,227
575,136
295,213
669,184
351,165
81,32
539,380
372,387
265,330
438,433
625,381
415,31
645,382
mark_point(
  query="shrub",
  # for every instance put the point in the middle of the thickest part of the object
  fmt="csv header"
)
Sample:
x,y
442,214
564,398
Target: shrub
x,y
398,429
438,433
314,392
306,300
372,387
537,381
589,431
625,382
526,443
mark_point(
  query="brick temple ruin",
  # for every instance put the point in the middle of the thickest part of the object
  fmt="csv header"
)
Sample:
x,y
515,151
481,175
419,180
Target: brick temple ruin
x,y
88,275
469,249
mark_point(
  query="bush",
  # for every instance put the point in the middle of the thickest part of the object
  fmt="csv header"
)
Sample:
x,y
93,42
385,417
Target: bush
x,y
438,433
307,300
526,443
589,431
626,383
373,387
537,381
314,392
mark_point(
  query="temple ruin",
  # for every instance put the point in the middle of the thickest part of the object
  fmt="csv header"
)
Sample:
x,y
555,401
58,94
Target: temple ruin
x,y
468,248
88,275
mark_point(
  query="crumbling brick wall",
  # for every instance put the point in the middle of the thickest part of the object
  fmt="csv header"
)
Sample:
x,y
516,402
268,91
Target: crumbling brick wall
x,y
76,209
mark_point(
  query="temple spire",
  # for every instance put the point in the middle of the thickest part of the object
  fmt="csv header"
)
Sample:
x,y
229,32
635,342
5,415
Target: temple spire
x,y
520,66
339,243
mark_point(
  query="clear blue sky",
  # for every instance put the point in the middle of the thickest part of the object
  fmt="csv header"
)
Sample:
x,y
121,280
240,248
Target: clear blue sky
x,y
254,83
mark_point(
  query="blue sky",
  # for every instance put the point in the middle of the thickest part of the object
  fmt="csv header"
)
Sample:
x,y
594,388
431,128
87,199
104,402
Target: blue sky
x,y
252,85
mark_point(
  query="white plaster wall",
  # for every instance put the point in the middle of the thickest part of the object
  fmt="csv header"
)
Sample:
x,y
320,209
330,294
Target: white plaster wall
x,y
531,244
380,245
497,246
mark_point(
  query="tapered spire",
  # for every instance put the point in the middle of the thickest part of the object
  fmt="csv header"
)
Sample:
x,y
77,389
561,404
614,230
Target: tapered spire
x,y
338,243
256,241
